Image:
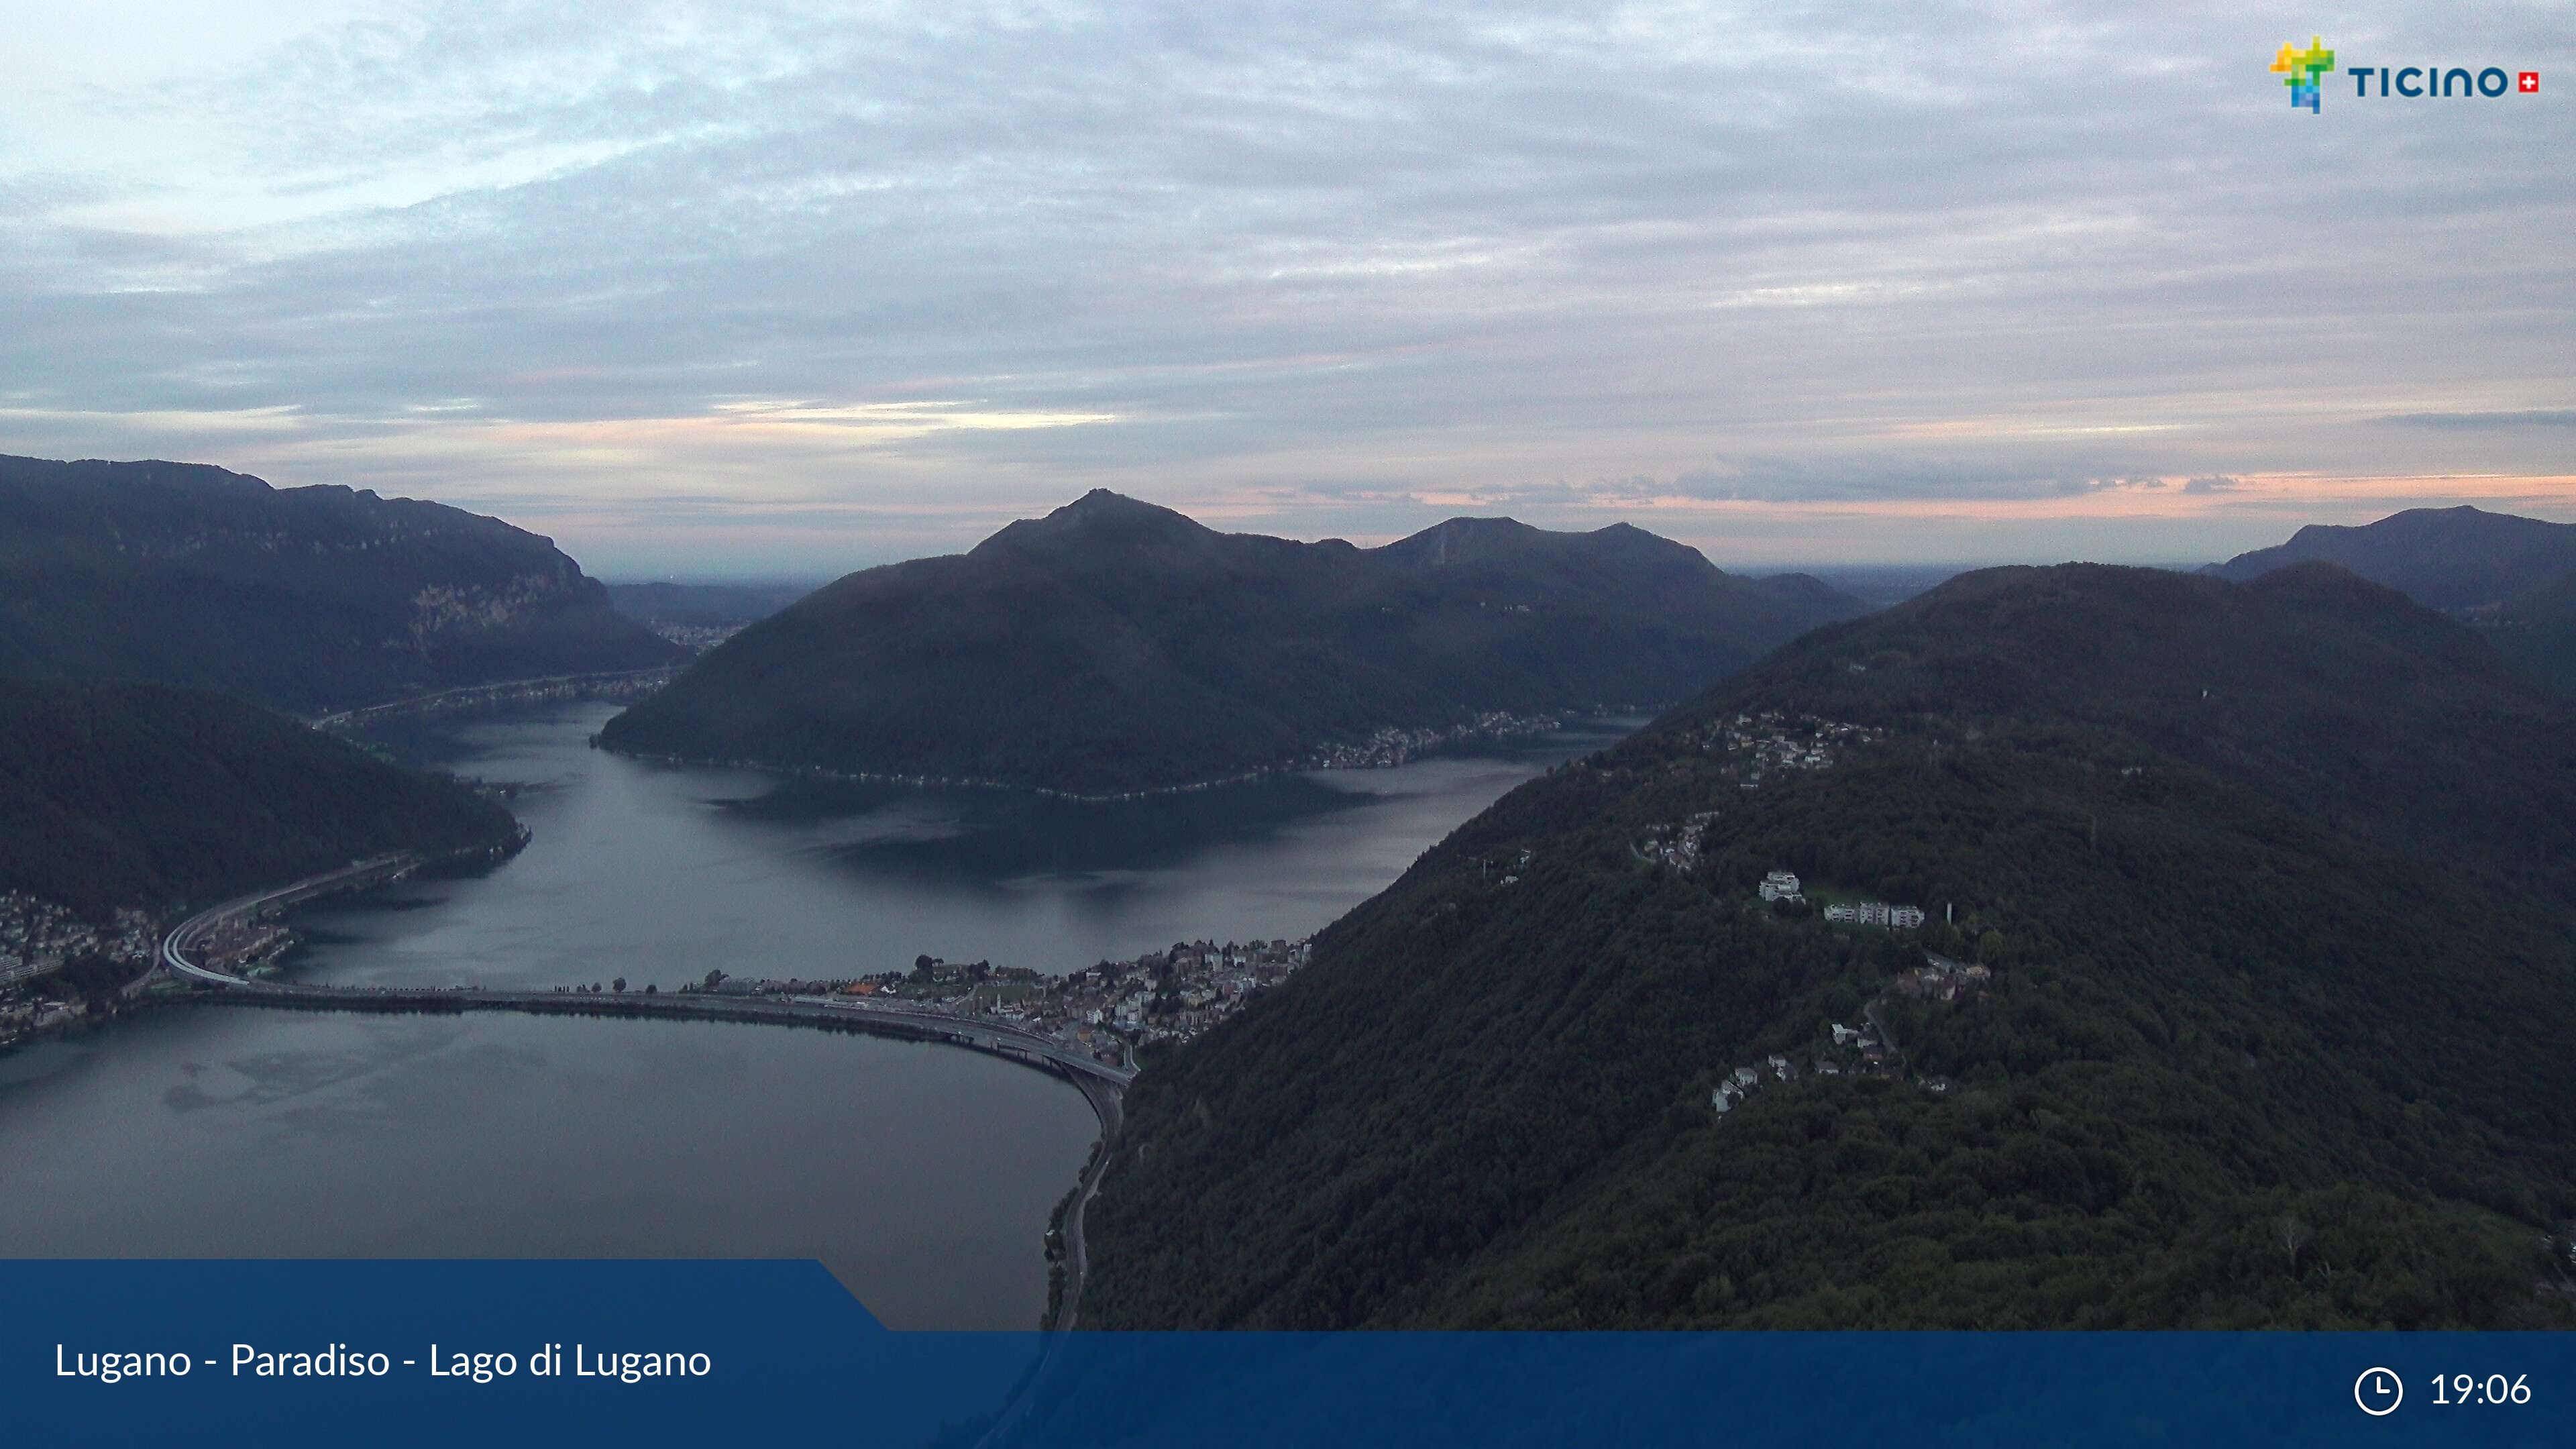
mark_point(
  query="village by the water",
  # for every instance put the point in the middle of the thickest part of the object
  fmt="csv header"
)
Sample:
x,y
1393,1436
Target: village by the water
x,y
1109,1010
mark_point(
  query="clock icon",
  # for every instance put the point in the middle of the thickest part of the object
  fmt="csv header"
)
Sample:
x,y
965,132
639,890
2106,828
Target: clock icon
x,y
2378,1392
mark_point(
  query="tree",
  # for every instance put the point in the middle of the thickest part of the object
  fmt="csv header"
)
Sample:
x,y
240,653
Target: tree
x,y
2292,1235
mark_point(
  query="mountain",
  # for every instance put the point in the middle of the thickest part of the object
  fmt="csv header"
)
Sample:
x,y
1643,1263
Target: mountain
x,y
303,599
2269,887
2442,558
2513,579
146,797
1113,645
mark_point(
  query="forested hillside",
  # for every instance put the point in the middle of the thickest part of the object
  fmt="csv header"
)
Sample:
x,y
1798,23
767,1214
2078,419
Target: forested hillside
x,y
303,599
149,797
2538,631
2265,890
1114,646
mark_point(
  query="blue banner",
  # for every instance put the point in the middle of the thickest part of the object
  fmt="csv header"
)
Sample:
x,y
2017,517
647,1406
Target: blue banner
x,y
207,1354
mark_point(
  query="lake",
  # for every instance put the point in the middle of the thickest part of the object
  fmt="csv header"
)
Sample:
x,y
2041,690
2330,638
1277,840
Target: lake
x,y
921,1175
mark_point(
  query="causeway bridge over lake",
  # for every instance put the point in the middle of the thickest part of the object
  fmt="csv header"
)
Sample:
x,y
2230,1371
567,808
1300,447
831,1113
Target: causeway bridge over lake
x,y
1102,1084
181,952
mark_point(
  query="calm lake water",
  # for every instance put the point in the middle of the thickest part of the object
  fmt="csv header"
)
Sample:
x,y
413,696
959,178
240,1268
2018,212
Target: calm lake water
x,y
921,1175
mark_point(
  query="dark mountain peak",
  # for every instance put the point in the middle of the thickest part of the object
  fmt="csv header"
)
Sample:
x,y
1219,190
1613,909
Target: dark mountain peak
x,y
2309,679
1102,519
2095,610
1628,535
1102,502
1113,645
2417,525
1503,540
2448,558
1465,540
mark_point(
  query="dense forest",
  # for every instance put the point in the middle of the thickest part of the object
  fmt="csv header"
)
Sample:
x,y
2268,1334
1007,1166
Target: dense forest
x,y
1113,645
303,599
2538,631
142,795
2270,883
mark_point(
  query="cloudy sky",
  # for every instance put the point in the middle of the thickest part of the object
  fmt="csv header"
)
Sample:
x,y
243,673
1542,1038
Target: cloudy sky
x,y
726,290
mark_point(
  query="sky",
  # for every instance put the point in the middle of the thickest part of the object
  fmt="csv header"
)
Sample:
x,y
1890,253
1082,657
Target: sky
x,y
779,291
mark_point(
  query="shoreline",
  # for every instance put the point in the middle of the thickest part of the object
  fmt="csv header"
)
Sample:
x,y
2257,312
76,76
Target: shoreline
x,y
1526,727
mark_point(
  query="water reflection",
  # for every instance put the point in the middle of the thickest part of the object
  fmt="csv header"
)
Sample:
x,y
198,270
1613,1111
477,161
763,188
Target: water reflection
x,y
660,873
920,1174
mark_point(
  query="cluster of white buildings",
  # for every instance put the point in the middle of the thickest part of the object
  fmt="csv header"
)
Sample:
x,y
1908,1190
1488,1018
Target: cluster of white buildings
x,y
1771,740
1782,885
1941,979
38,937
1863,1050
1875,913
1389,746
1677,845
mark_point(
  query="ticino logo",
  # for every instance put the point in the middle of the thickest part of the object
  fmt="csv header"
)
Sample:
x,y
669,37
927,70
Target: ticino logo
x,y
2304,69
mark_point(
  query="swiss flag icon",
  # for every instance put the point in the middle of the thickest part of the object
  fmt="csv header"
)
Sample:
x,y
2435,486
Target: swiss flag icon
x,y
2530,83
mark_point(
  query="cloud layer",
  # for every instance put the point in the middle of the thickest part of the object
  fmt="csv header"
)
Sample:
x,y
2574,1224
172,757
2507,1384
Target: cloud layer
x,y
749,289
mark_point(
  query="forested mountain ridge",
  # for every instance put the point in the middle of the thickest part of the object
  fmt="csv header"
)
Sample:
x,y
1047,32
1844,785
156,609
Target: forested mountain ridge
x,y
2442,558
145,797
2512,579
2252,1052
1114,645
302,599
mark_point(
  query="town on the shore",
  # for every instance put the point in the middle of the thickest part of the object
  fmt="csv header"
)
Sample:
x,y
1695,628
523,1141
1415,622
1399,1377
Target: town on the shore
x,y
39,938
1109,1010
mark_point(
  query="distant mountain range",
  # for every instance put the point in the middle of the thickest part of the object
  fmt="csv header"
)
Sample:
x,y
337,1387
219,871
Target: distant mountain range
x,y
2512,578
1113,646
303,599
142,796
2268,888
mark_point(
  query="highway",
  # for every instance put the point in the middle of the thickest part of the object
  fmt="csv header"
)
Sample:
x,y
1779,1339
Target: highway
x,y
176,948
1009,1043
476,693
1109,1104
